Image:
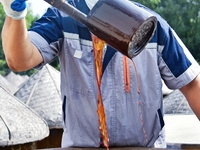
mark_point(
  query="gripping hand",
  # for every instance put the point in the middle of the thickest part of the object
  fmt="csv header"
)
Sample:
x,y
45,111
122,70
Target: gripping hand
x,y
15,9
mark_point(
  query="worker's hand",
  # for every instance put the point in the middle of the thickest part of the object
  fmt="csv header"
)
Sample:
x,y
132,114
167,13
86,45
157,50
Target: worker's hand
x,y
15,9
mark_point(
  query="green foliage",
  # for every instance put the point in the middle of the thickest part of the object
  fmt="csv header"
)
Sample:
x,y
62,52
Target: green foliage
x,y
184,17
2,18
30,19
150,4
55,63
3,65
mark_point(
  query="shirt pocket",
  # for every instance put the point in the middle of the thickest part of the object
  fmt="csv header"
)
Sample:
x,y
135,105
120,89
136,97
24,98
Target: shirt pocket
x,y
79,66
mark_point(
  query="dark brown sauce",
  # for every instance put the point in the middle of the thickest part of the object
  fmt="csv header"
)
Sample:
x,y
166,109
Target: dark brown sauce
x,y
98,45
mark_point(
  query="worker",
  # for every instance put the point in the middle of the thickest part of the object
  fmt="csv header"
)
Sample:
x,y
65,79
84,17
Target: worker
x,y
131,89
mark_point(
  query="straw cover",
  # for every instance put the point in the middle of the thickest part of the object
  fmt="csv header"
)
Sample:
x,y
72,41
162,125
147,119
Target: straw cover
x,y
176,103
41,92
18,123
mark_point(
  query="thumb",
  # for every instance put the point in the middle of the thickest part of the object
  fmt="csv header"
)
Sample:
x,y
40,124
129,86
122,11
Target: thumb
x,y
18,5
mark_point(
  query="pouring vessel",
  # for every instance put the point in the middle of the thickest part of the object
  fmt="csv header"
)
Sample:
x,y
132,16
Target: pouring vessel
x,y
120,23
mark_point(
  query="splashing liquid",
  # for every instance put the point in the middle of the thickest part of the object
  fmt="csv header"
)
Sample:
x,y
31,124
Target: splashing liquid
x,y
98,45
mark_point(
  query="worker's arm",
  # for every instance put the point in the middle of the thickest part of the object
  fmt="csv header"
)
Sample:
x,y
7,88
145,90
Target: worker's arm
x,y
192,94
20,53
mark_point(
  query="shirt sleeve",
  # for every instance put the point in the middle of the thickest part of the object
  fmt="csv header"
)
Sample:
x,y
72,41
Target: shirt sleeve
x,y
178,67
46,33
